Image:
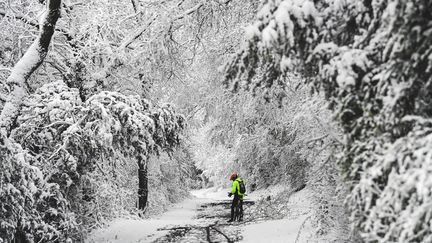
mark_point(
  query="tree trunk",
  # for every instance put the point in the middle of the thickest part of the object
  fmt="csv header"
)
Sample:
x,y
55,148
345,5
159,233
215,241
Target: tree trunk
x,y
31,60
142,183
20,237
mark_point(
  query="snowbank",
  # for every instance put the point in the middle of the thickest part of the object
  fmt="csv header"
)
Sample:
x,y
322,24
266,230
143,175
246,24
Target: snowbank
x,y
263,193
296,225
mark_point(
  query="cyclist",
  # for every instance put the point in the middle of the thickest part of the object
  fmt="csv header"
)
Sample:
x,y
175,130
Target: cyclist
x,y
237,202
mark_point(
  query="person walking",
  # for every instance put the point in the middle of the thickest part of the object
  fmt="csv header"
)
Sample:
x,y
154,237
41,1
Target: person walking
x,y
238,190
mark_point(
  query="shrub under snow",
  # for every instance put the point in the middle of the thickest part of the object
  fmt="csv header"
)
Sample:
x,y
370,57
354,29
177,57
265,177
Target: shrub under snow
x,y
75,158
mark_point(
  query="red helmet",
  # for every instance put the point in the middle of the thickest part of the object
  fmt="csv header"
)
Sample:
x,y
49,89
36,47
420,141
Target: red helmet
x,y
233,176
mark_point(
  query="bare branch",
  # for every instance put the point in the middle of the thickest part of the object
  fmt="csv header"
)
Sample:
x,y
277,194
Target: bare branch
x,y
137,34
316,139
188,12
134,5
180,3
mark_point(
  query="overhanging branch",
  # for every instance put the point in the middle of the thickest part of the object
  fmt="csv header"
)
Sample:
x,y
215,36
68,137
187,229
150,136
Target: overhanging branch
x,y
35,24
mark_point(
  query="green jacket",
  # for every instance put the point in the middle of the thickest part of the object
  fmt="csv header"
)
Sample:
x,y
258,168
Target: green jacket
x,y
236,187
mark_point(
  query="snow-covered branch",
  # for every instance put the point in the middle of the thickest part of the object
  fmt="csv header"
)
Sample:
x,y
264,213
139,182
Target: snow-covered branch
x,y
2,97
188,12
31,60
22,18
34,23
5,69
137,33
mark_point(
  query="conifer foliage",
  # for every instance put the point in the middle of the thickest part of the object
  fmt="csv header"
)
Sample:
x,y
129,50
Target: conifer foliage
x,y
373,60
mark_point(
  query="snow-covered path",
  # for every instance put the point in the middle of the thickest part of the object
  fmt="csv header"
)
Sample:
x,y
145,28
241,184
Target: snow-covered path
x,y
131,230
199,219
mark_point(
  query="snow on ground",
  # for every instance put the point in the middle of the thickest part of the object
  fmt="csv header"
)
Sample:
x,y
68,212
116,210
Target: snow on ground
x,y
274,231
146,230
296,226
211,193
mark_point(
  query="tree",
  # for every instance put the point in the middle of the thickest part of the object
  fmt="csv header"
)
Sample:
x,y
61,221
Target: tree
x,y
73,148
371,59
62,138
31,60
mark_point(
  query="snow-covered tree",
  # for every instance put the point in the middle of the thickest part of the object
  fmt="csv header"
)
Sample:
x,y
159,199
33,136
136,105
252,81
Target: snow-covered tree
x,y
76,146
65,146
25,67
372,59
31,209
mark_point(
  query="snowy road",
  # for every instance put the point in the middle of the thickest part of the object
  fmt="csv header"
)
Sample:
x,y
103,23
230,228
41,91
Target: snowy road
x,y
200,219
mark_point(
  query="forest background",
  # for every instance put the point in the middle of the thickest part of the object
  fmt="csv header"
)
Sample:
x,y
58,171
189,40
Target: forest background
x,y
97,96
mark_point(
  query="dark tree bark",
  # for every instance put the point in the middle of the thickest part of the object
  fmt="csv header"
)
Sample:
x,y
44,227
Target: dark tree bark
x,y
134,5
142,182
20,237
25,67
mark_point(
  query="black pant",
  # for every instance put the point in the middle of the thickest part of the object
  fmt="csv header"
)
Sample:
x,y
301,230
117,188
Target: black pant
x,y
236,202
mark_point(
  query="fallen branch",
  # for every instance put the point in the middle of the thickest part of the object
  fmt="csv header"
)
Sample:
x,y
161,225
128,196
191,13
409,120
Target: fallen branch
x,y
176,228
208,234
224,235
